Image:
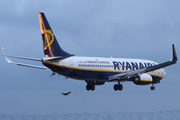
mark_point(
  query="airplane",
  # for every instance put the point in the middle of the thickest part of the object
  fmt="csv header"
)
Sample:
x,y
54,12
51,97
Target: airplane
x,y
94,70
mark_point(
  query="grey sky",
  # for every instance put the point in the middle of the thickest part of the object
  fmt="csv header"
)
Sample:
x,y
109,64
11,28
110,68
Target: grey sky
x,y
131,29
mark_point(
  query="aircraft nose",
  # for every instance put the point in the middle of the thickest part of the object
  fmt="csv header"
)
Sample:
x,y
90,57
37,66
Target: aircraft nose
x,y
163,73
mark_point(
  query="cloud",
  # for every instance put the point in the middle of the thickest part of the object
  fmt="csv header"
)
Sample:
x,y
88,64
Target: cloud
x,y
131,29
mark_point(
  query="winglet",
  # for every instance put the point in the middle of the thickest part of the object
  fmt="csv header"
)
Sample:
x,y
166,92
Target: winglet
x,y
6,57
174,53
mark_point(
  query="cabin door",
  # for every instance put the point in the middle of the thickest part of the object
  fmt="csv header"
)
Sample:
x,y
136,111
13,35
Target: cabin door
x,y
71,65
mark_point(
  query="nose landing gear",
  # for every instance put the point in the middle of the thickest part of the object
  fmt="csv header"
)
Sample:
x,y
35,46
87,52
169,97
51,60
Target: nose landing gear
x,y
152,87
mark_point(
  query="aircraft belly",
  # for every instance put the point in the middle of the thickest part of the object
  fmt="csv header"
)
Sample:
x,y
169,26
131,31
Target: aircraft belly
x,y
89,75
78,74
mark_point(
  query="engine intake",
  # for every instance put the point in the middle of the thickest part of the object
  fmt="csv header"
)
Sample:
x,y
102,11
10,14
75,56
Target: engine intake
x,y
143,79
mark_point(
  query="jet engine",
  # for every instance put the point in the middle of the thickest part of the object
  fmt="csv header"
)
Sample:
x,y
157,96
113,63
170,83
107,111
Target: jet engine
x,y
143,79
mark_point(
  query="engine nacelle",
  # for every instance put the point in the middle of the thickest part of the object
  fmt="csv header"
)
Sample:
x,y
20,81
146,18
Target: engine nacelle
x,y
143,79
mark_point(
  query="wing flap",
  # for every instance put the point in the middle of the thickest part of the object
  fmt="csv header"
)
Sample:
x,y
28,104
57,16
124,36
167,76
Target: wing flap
x,y
126,75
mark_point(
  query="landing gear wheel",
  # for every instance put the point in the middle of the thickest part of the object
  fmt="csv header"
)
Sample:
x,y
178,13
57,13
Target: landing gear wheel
x,y
116,87
152,87
88,87
120,87
92,87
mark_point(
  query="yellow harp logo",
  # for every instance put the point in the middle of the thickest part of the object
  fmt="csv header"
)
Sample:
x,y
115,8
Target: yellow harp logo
x,y
48,38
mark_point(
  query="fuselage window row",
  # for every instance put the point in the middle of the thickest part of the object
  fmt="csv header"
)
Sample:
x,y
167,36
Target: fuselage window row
x,y
86,65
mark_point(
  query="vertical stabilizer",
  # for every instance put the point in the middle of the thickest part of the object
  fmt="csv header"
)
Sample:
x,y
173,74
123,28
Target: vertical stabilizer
x,y
50,44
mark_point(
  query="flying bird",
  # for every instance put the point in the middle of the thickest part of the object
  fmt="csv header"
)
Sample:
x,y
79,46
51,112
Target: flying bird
x,y
66,93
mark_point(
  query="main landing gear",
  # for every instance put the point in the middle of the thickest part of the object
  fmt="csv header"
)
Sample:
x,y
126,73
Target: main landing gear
x,y
90,87
118,86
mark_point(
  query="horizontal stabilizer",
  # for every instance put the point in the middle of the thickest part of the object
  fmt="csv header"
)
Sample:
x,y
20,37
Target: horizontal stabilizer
x,y
32,66
56,58
22,64
26,58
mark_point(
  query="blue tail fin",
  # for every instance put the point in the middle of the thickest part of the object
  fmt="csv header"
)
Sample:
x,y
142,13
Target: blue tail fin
x,y
50,44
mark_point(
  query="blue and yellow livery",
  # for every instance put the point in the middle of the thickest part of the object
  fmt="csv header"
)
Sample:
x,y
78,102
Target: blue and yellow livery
x,y
94,70
50,44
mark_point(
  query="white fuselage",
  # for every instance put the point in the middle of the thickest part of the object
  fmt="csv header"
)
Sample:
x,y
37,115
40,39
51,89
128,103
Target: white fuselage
x,y
109,65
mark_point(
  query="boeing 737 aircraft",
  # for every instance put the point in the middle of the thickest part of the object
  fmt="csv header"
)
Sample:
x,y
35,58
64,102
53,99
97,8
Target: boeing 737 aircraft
x,y
94,70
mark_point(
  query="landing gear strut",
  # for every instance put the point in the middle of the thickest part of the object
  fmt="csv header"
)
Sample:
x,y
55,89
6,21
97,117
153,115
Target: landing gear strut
x,y
118,86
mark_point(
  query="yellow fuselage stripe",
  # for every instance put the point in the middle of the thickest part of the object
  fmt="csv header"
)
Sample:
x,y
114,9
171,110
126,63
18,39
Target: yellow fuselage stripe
x,y
147,80
93,69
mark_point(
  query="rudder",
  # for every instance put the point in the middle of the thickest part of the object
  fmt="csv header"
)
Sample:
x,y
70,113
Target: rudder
x,y
50,44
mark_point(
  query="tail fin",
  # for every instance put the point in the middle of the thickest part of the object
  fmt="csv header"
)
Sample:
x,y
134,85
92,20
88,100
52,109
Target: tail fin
x,y
50,44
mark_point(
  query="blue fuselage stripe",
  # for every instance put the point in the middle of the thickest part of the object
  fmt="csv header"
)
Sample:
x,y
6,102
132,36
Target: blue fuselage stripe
x,y
82,74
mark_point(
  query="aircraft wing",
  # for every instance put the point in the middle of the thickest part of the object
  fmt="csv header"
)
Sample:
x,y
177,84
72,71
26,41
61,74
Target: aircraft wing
x,y
134,73
22,64
126,75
